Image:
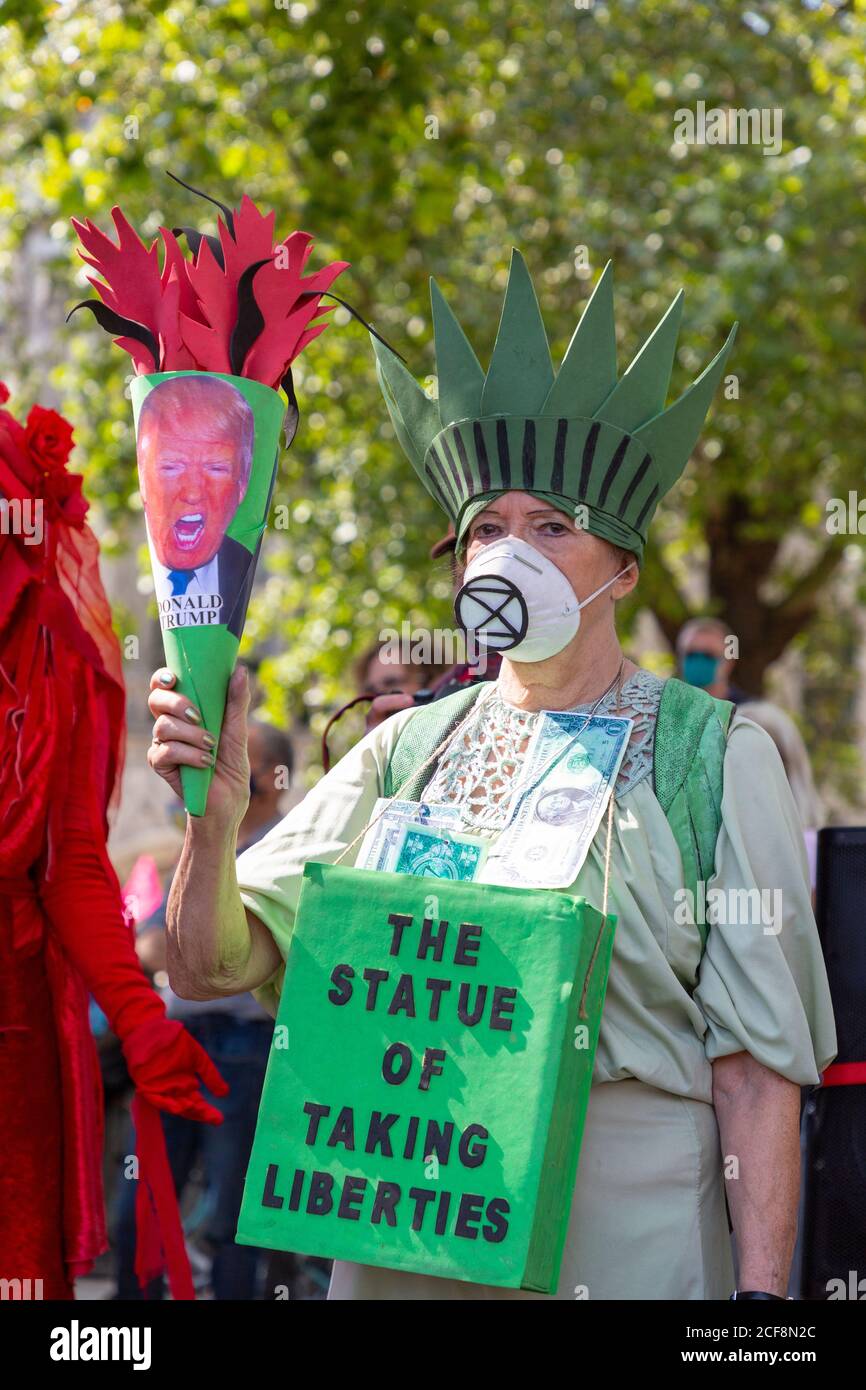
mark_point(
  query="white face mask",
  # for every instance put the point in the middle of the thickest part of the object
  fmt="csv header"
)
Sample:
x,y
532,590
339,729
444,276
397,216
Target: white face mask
x,y
515,601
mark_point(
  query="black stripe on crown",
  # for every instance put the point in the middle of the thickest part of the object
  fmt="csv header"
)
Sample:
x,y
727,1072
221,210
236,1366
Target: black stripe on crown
x,y
557,477
648,504
452,466
445,481
502,449
588,455
634,484
465,466
438,493
613,468
481,455
529,455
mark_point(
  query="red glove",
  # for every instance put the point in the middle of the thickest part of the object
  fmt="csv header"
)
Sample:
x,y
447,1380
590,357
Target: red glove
x,y
83,900
84,904
166,1062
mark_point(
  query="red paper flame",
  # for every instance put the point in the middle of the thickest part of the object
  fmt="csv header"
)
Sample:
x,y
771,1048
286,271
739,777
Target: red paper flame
x,y
190,308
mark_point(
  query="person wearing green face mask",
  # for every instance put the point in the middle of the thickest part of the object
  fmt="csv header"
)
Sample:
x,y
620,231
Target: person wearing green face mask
x,y
702,652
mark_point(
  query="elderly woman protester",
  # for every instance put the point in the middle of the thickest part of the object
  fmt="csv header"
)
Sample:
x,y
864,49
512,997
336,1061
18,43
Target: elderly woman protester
x,y
713,1020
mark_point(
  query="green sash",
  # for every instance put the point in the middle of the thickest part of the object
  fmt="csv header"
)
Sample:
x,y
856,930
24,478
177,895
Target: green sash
x,y
688,773
688,759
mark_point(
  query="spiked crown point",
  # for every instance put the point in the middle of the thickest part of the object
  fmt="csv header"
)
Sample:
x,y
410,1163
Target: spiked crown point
x,y
587,373
642,390
415,416
520,374
686,416
461,376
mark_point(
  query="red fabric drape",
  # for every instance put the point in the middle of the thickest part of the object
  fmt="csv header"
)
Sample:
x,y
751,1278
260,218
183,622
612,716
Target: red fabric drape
x,y
62,925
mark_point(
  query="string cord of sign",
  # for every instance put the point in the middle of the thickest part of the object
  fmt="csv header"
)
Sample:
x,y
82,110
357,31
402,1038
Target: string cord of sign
x,y
582,1007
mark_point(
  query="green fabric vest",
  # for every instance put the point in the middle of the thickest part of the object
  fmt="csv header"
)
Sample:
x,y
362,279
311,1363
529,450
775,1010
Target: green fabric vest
x,y
688,759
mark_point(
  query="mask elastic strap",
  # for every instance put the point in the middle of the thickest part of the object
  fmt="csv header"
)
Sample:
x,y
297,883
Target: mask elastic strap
x,y
607,585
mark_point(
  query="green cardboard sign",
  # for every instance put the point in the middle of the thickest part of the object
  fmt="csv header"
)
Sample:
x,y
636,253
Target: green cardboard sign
x,y
428,1081
208,446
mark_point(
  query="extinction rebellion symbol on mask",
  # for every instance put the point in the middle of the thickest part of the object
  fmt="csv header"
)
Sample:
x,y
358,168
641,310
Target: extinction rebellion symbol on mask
x,y
494,609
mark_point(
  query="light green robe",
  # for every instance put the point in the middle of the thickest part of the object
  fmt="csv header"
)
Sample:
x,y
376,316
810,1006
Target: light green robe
x,y
648,1217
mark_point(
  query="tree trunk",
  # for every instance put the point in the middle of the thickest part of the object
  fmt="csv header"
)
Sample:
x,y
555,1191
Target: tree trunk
x,y
738,569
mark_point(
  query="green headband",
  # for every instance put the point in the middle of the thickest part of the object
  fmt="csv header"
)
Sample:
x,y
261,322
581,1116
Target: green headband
x,y
580,436
595,522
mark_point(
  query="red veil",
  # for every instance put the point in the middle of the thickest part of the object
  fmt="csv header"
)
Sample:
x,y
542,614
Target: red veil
x,y
61,749
59,666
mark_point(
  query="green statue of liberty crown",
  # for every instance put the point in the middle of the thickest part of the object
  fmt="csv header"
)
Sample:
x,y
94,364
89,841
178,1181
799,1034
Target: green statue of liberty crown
x,y
578,437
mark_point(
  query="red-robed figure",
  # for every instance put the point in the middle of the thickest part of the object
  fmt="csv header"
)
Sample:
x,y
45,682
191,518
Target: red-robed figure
x,y
62,928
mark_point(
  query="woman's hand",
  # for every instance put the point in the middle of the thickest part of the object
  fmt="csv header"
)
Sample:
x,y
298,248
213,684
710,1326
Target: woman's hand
x,y
180,740
384,706
170,1069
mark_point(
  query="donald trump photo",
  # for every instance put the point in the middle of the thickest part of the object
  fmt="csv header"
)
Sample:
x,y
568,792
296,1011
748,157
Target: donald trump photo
x,y
195,451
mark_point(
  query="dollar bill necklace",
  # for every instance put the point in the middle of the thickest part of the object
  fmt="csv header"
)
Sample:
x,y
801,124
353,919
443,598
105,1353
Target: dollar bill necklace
x,y
563,752
451,738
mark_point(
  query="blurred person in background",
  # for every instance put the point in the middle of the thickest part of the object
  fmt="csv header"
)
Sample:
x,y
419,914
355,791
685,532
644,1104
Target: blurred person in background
x,y
795,759
236,1033
384,685
703,660
393,686
702,646
436,684
375,675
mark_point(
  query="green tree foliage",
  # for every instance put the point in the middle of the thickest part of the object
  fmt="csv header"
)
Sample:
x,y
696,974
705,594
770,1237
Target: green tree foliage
x,y
420,138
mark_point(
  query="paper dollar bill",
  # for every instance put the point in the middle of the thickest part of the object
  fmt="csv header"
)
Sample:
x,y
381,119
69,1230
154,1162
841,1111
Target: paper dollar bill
x,y
571,767
438,853
381,845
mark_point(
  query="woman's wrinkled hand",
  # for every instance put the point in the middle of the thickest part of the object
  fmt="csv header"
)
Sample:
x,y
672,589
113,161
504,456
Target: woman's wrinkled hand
x,y
385,705
181,740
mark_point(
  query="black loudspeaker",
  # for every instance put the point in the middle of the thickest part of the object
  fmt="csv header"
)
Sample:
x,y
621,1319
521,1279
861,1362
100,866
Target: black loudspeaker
x,y
834,1208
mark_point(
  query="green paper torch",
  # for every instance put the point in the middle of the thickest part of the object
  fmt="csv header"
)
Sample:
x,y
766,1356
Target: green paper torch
x,y
212,335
